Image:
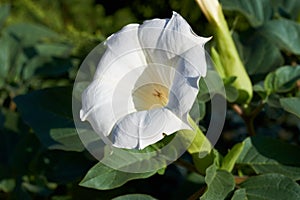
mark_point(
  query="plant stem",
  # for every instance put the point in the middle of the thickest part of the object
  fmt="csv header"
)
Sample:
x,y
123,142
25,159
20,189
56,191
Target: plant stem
x,y
250,125
198,193
248,117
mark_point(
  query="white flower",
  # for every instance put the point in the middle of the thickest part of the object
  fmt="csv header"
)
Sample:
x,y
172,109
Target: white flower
x,y
145,83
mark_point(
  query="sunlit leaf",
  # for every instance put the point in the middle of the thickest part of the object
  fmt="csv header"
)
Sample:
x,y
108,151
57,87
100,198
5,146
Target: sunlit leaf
x,y
53,49
219,183
268,186
267,155
29,34
284,33
102,177
134,197
231,157
291,104
256,11
283,79
260,55
7,185
68,139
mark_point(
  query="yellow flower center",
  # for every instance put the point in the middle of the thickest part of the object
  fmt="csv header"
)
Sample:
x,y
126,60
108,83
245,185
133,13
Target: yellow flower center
x,y
150,96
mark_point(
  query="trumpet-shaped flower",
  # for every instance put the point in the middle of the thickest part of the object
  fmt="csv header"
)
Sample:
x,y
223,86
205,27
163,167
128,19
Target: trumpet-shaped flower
x,y
226,57
145,83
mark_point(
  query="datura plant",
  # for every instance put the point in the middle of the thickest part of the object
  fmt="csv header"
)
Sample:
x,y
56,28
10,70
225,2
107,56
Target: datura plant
x,y
225,54
145,83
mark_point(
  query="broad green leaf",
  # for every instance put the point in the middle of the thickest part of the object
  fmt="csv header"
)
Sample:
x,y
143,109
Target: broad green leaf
x,y
291,104
282,80
240,194
267,155
102,177
289,9
284,33
219,183
202,163
7,185
68,139
4,13
152,158
255,11
268,186
231,157
53,49
33,65
260,90
232,93
47,109
134,197
260,55
7,51
30,34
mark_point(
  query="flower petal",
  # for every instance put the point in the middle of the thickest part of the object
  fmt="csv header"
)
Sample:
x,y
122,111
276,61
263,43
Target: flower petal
x,y
119,68
190,67
164,39
140,129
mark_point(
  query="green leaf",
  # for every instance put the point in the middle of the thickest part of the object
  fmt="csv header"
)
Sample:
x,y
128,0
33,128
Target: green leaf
x,y
202,163
288,8
200,144
53,49
9,50
68,139
219,183
102,177
231,157
134,197
232,93
240,194
260,90
260,55
42,112
4,13
209,86
267,155
291,104
7,185
255,11
29,34
268,186
282,80
284,33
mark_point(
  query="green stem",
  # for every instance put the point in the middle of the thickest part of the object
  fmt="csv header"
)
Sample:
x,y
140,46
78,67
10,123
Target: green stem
x,y
248,117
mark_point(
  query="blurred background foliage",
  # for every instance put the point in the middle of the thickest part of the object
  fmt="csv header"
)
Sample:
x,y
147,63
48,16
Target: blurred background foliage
x,y
42,44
